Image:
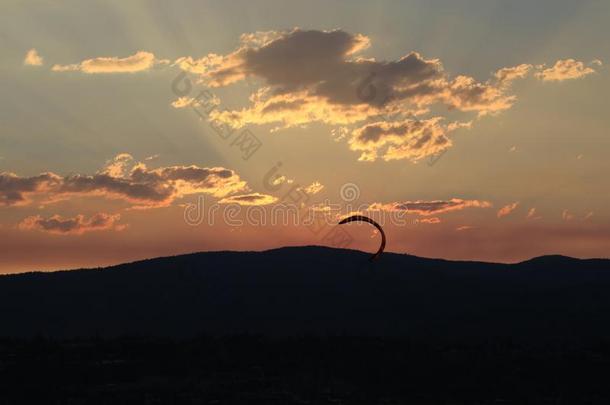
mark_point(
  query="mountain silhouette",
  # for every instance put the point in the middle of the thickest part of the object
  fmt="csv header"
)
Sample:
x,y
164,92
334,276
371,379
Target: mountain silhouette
x,y
312,290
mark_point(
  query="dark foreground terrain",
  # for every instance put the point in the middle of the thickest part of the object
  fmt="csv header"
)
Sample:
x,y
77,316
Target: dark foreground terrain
x,y
308,325
305,370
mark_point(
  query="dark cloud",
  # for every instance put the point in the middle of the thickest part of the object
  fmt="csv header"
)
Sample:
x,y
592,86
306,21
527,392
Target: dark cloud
x,y
14,190
139,185
75,226
311,76
319,76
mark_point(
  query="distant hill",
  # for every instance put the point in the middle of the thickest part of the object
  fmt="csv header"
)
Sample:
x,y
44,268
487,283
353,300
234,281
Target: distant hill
x,y
313,290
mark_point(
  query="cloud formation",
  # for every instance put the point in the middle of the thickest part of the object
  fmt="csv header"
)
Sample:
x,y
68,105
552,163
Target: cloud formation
x,y
428,208
432,220
32,58
317,73
566,69
408,139
123,179
77,225
16,191
531,214
507,209
507,75
313,188
311,76
566,215
249,199
138,62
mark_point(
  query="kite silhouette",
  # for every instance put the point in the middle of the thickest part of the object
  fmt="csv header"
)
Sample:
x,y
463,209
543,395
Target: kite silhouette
x,y
362,218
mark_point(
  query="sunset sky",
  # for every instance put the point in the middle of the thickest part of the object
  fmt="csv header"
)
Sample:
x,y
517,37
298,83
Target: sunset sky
x,y
483,124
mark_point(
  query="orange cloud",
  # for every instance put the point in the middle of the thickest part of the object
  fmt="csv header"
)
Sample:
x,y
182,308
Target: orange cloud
x,y
77,225
138,62
433,220
531,214
507,209
309,76
32,58
427,208
566,215
410,139
566,69
508,74
313,188
205,98
292,110
315,72
125,180
117,166
249,199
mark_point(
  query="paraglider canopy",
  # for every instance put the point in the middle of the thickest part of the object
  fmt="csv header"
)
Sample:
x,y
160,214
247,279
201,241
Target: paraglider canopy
x,y
362,218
